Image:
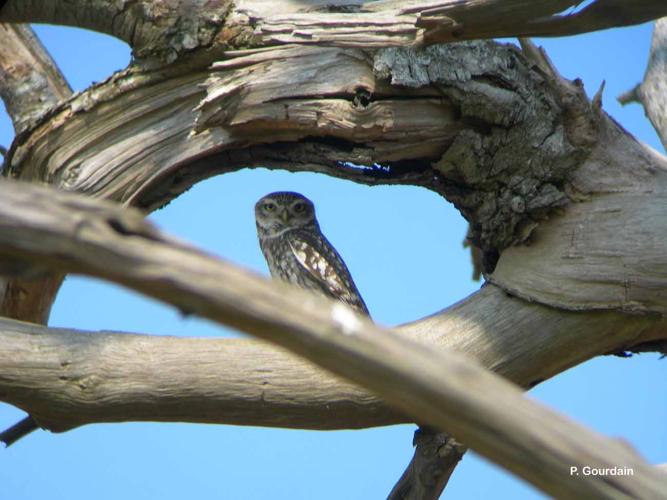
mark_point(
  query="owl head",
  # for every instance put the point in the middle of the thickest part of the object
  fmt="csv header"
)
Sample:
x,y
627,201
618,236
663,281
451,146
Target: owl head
x,y
277,213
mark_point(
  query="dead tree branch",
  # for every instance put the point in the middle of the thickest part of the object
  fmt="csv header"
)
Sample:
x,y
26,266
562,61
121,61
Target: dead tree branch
x,y
30,82
436,456
652,92
166,30
244,382
443,389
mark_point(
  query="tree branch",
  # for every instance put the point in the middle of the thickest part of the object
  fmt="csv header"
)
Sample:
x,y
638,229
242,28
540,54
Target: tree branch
x,y
652,92
161,30
391,22
223,383
441,388
30,82
164,31
406,117
436,456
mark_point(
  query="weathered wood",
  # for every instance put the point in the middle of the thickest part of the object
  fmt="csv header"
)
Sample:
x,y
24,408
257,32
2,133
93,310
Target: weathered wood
x,y
164,31
155,29
221,379
30,85
652,91
30,81
439,388
352,104
609,251
93,377
392,22
482,113
436,456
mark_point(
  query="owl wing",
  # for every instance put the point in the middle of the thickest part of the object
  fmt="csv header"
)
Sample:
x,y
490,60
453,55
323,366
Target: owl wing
x,y
329,272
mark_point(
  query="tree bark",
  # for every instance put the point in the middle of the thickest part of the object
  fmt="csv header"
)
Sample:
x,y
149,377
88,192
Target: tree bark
x,y
442,389
30,82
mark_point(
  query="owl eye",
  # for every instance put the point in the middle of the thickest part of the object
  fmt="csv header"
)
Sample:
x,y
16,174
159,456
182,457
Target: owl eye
x,y
269,207
299,207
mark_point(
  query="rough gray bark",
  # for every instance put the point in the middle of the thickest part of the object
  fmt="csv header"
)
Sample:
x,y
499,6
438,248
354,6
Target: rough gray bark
x,y
652,92
478,133
442,389
606,254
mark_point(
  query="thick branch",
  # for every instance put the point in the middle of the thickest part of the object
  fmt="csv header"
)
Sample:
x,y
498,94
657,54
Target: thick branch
x,y
392,22
439,388
652,92
30,82
250,383
167,30
461,120
160,29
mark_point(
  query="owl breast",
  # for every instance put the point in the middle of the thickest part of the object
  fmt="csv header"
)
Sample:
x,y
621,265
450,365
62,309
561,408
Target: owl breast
x,y
305,258
283,264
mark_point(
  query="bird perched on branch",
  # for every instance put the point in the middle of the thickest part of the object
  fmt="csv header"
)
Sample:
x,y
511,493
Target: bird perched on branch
x,y
297,252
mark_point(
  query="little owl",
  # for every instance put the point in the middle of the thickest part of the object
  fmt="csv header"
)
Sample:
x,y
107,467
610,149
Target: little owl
x,y
297,252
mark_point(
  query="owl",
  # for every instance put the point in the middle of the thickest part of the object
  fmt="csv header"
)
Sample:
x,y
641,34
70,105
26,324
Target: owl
x,y
297,252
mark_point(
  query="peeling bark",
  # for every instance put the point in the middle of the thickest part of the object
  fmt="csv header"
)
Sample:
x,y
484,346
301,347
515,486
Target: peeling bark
x,y
162,31
479,133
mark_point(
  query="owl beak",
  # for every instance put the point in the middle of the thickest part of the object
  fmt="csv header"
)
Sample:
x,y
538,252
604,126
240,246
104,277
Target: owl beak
x,y
284,216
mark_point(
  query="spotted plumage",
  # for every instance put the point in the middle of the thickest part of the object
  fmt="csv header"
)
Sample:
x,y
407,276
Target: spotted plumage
x,y
296,251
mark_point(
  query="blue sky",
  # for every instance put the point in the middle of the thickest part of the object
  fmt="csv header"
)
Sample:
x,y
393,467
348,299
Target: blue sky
x,y
403,247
